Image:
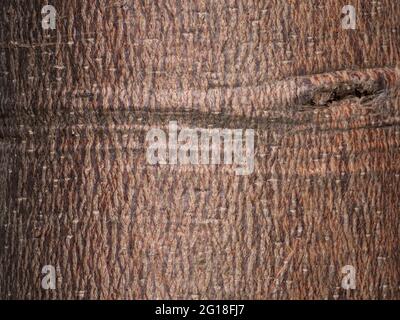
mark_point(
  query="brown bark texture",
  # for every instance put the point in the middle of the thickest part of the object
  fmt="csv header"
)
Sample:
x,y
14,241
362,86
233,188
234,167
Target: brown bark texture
x,y
77,191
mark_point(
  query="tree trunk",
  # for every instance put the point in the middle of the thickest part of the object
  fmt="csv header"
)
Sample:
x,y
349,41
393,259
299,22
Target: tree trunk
x,y
79,195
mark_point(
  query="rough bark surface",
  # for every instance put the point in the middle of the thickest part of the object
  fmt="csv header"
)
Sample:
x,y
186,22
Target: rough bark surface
x,y
76,189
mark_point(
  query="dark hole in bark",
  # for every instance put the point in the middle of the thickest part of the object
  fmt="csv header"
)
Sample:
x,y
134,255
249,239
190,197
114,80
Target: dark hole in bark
x,y
326,95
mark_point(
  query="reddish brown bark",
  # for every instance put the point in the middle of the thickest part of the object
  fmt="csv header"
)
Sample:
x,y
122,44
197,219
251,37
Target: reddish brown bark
x,y
78,194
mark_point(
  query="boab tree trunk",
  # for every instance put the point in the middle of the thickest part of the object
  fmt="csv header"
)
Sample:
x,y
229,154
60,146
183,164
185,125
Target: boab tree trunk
x,y
80,202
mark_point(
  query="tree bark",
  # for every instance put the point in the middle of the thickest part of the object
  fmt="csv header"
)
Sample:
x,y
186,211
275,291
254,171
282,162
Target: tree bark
x,y
78,194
